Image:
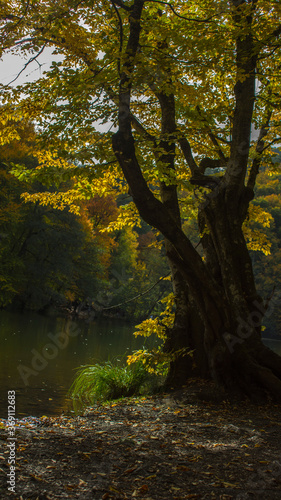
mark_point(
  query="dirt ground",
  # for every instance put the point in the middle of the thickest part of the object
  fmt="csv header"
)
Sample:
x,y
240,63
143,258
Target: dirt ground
x,y
189,444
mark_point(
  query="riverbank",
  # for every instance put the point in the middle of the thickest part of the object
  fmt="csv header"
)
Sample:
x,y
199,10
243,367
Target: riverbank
x,y
190,444
40,356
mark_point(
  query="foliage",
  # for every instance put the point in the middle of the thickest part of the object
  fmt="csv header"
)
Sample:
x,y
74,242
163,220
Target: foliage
x,y
47,256
156,360
256,238
52,256
103,382
268,268
75,101
136,271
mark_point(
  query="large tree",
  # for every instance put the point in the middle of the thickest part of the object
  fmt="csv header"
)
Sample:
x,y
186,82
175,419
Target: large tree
x,y
192,91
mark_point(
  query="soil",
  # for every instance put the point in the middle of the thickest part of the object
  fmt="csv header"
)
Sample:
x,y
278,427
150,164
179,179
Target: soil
x,y
189,444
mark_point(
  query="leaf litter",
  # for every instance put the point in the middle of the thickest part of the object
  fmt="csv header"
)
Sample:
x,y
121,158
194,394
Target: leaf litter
x,y
176,446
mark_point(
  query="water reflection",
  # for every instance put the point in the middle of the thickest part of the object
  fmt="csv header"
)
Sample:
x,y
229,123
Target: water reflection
x,y
41,388
40,369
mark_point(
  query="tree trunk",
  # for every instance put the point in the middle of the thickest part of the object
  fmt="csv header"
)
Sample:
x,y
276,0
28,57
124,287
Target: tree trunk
x,y
236,359
188,334
234,356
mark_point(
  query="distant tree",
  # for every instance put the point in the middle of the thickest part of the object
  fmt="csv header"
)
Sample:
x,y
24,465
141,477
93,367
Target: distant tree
x,y
47,256
267,267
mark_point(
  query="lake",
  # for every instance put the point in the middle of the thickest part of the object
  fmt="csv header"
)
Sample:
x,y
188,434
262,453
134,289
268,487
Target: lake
x,y
39,355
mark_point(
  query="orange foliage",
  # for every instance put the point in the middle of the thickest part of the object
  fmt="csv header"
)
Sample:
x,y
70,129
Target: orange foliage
x,y
102,210
96,214
146,240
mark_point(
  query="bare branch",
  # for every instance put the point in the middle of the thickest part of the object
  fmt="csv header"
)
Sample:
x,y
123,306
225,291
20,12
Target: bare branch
x,y
121,34
27,64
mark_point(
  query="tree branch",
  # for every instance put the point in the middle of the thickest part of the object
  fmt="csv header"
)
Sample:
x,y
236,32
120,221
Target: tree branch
x,y
274,141
186,149
212,137
141,129
152,210
244,90
27,64
194,19
113,2
121,4
137,296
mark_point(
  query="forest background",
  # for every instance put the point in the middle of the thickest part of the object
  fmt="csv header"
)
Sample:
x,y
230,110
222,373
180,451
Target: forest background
x,y
54,259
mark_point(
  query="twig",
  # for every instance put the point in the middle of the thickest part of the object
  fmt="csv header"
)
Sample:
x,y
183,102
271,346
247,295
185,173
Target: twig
x,y
208,20
121,35
27,64
136,296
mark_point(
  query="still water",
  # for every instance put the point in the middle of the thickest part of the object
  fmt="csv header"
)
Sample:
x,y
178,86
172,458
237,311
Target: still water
x,y
39,356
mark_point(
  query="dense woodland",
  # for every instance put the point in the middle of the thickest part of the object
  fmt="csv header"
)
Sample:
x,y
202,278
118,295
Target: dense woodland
x,y
55,259
150,152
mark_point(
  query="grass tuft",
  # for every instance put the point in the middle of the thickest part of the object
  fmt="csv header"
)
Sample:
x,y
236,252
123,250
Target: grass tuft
x,y
105,382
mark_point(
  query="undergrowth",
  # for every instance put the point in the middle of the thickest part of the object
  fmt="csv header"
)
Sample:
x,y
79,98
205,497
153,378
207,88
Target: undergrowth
x,y
108,381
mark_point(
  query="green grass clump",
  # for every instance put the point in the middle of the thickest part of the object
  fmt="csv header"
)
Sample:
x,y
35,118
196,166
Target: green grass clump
x,y
104,382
